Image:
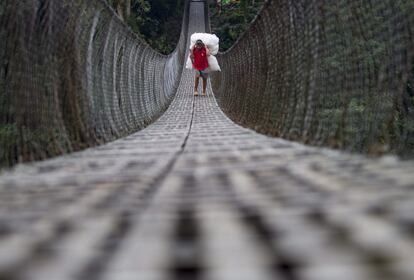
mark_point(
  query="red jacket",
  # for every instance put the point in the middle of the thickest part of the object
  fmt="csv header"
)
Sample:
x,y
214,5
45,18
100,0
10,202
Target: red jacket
x,y
200,58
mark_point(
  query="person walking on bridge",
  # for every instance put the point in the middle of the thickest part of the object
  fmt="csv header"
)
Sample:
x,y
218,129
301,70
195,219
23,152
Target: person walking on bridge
x,y
199,54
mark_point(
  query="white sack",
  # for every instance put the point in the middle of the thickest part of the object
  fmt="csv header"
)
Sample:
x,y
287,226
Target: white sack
x,y
212,43
212,64
214,50
189,64
210,40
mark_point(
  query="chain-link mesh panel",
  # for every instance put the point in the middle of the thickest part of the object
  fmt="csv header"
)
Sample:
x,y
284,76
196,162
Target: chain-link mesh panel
x,y
73,75
337,73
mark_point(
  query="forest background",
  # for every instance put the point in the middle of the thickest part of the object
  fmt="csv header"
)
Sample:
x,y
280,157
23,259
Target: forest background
x,y
159,21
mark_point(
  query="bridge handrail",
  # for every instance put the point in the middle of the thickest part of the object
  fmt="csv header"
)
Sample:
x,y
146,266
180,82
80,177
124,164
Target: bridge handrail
x,y
329,73
73,75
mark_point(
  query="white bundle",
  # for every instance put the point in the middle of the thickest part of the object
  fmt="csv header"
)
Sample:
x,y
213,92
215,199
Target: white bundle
x,y
212,64
212,43
210,40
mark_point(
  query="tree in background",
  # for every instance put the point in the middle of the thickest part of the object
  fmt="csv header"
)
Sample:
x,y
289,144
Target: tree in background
x,y
157,21
122,7
234,18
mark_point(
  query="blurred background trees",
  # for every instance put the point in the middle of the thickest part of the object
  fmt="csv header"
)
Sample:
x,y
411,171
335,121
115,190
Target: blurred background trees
x,y
230,20
156,21
159,21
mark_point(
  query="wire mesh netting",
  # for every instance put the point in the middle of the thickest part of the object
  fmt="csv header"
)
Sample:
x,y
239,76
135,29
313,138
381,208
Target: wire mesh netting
x,y
72,75
336,73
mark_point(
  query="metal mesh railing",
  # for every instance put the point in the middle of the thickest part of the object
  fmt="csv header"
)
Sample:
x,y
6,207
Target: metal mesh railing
x,y
73,75
336,73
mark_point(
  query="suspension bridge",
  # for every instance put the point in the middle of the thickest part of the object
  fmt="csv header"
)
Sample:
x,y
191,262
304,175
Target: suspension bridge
x,y
191,194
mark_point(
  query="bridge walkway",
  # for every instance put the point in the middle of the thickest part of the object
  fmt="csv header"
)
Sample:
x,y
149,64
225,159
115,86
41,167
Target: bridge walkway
x,y
195,196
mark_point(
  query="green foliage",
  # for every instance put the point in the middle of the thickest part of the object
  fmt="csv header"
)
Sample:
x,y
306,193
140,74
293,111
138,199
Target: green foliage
x,y
156,21
234,19
357,105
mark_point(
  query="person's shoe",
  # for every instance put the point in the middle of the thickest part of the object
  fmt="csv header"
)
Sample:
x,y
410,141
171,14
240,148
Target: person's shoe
x,y
195,93
204,93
